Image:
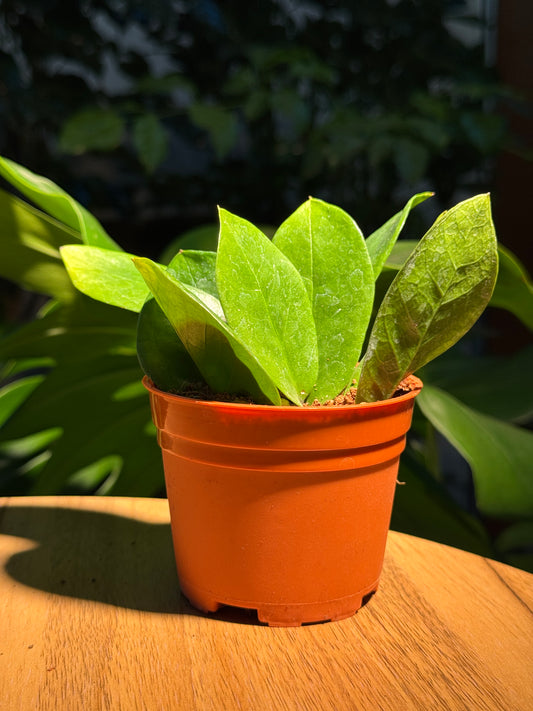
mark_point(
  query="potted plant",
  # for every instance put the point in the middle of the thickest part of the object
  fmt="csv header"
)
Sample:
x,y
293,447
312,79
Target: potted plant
x,y
281,422
281,384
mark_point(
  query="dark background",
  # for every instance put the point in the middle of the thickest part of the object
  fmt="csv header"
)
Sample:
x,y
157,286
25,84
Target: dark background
x,y
151,113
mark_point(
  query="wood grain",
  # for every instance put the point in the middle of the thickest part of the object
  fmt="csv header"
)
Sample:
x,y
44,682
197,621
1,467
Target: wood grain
x,y
91,618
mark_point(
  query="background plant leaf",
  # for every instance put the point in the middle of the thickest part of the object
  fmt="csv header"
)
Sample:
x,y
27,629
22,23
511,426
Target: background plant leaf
x,y
436,297
267,306
29,248
328,250
150,140
105,275
514,290
499,454
499,386
56,202
92,129
220,124
422,507
90,401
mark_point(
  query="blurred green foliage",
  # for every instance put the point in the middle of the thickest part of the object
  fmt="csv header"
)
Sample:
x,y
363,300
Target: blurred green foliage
x,y
253,107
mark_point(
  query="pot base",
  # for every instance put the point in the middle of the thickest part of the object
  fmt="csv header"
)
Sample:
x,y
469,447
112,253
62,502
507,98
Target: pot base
x,y
285,615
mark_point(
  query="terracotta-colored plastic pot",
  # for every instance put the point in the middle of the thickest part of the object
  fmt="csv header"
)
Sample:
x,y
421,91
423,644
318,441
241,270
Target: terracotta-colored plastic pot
x,y
284,510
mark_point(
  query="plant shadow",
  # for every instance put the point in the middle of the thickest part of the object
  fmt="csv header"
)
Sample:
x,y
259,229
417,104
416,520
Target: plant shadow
x,y
110,559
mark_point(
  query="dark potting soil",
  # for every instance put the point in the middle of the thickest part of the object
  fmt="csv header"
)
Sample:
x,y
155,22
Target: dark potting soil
x,y
201,391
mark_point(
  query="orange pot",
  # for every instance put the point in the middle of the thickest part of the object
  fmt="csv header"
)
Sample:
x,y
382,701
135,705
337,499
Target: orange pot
x,y
284,510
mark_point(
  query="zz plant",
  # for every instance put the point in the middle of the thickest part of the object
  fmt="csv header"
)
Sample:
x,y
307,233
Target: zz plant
x,y
293,318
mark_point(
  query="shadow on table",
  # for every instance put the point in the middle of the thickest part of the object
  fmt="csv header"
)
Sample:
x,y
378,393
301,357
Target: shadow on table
x,y
101,557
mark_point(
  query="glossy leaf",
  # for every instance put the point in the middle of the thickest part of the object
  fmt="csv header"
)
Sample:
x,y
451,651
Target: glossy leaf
x,y
328,250
57,203
499,454
196,268
29,248
150,140
198,319
105,275
437,296
267,306
513,290
162,355
381,242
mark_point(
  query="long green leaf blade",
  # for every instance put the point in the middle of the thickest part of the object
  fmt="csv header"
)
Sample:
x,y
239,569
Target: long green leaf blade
x,y
435,298
381,242
51,198
198,320
267,306
29,248
499,454
105,275
328,250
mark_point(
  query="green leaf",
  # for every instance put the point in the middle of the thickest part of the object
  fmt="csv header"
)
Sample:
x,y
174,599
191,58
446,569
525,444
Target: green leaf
x,y
162,355
75,331
500,386
91,130
91,401
15,393
52,199
80,397
423,508
198,319
196,268
29,248
267,306
437,296
328,249
381,242
150,140
499,454
105,275
514,290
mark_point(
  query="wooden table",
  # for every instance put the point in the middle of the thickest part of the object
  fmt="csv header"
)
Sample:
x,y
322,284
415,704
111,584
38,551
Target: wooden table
x,y
91,618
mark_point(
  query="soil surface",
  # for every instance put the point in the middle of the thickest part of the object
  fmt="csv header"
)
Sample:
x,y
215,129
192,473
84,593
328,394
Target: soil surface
x,y
203,392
